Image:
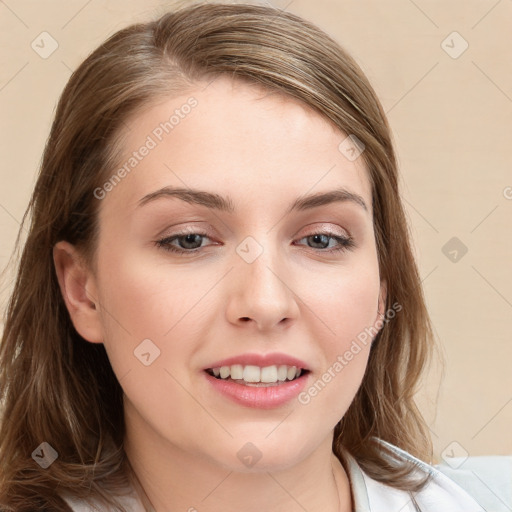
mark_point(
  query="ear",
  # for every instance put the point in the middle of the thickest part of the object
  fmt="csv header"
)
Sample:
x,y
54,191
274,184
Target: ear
x,y
79,291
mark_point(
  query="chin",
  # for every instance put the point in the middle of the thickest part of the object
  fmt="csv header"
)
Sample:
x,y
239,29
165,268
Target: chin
x,y
263,455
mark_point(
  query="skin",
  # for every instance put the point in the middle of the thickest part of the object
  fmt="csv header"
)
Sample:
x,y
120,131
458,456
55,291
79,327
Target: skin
x,y
264,151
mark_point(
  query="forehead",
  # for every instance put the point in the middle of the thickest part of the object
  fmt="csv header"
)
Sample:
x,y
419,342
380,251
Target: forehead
x,y
229,135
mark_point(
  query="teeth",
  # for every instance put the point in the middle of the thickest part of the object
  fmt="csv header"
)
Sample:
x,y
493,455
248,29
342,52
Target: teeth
x,y
237,371
252,374
282,373
292,370
269,374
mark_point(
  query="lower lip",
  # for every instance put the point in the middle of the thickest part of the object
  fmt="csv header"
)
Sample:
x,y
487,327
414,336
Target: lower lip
x,y
267,397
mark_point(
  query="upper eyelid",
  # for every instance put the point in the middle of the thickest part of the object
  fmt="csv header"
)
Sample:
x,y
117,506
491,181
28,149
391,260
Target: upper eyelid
x,y
192,229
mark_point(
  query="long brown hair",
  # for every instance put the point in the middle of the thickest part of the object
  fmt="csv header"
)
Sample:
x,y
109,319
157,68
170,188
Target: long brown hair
x,y
57,388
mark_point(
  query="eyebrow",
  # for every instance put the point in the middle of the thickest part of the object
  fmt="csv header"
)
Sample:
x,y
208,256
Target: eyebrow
x,y
225,204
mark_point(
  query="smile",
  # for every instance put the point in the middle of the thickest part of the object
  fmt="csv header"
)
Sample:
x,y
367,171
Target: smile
x,y
260,381
251,375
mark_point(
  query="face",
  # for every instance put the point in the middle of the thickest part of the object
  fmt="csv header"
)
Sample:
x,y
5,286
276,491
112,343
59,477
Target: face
x,y
264,258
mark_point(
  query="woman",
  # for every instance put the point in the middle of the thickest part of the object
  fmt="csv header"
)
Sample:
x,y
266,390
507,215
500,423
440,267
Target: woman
x,y
217,305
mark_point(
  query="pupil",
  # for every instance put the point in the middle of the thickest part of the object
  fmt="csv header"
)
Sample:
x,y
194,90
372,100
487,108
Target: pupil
x,y
191,239
317,239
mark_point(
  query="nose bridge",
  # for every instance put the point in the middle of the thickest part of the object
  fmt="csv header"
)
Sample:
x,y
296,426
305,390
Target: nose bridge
x,y
260,291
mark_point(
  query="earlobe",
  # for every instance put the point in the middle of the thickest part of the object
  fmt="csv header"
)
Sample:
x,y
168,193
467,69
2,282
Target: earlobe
x,y
78,289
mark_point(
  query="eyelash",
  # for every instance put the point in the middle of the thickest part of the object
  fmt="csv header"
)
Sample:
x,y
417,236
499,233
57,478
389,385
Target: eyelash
x,y
345,243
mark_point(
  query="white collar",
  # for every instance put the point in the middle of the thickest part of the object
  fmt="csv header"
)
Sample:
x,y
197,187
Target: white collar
x,y
439,495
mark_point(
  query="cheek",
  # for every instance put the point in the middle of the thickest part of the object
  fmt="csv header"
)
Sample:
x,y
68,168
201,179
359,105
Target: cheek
x,y
148,299
346,302
345,306
140,303
147,325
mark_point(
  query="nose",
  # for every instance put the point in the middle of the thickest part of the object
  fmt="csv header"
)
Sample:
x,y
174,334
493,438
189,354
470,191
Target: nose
x,y
260,294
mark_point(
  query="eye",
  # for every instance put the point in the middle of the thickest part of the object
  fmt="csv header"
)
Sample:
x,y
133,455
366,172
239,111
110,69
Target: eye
x,y
187,242
322,241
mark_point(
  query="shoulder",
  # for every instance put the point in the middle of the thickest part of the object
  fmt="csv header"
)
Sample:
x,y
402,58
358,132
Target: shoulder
x,y
487,478
443,492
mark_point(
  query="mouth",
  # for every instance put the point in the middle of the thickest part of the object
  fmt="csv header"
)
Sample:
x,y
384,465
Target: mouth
x,y
257,376
260,381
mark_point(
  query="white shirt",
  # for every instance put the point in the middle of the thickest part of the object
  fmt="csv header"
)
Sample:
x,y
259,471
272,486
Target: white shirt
x,y
441,494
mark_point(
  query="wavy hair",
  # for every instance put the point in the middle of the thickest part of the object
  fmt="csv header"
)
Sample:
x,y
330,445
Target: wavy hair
x,y
57,388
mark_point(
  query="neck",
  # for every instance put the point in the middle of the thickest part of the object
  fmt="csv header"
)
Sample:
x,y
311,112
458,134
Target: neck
x,y
171,478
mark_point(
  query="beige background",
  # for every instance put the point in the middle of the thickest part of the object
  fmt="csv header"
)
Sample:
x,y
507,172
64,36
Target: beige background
x,y
452,121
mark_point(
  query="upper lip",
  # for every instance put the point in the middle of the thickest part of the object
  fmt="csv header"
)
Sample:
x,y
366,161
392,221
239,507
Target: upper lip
x,y
261,360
